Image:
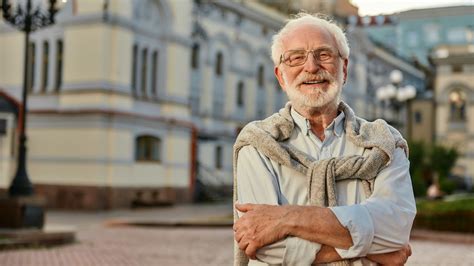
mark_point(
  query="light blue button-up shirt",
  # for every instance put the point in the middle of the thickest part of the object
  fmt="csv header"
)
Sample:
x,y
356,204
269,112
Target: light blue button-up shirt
x,y
378,224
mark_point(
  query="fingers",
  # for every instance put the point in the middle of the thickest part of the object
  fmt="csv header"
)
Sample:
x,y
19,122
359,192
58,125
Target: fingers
x,y
244,207
251,251
243,244
238,236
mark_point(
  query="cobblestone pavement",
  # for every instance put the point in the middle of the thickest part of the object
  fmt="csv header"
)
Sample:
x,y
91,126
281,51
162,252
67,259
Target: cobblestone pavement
x,y
102,245
133,246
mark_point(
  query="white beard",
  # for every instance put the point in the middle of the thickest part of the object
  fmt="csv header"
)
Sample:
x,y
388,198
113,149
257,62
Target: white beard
x,y
317,98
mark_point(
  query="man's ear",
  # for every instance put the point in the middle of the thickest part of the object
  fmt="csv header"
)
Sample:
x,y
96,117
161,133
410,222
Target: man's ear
x,y
344,69
279,76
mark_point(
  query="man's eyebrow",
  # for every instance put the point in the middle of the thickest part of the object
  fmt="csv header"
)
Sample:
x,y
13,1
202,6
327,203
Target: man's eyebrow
x,y
324,47
296,49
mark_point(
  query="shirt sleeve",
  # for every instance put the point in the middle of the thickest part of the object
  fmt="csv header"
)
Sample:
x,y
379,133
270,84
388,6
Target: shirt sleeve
x,y
383,222
257,183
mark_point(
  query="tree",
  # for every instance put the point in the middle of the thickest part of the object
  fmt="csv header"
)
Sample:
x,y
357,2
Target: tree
x,y
427,160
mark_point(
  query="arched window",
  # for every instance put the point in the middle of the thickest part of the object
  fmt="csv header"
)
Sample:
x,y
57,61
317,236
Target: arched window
x,y
154,72
457,106
148,148
219,62
59,64
195,56
134,69
218,157
44,83
261,76
240,94
144,71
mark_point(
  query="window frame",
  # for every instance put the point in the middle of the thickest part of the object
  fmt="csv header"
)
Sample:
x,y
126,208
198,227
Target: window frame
x,y
148,149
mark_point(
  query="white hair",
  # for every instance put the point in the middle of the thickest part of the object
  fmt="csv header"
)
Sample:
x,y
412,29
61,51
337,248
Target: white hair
x,y
303,18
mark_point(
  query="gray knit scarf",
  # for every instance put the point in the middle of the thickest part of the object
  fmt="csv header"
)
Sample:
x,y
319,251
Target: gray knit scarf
x,y
267,137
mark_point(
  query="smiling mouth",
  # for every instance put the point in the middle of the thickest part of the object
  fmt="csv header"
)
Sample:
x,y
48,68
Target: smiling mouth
x,y
314,82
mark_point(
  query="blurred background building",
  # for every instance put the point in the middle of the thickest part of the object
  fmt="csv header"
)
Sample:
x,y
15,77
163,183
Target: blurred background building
x,y
439,42
414,33
454,100
139,102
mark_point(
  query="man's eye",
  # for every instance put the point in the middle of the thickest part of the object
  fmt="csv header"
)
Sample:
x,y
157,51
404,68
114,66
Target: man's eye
x,y
324,55
296,57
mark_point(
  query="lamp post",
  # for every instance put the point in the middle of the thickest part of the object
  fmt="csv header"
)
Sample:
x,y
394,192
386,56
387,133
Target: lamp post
x,y
395,96
26,18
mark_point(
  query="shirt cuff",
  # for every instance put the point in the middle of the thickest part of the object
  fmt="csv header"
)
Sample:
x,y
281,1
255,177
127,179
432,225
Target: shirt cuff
x,y
357,220
300,252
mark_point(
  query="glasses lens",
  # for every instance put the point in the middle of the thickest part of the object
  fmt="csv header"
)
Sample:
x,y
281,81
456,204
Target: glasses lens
x,y
298,57
294,57
325,55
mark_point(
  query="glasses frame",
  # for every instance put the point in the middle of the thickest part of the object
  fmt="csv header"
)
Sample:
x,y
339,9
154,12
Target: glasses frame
x,y
307,52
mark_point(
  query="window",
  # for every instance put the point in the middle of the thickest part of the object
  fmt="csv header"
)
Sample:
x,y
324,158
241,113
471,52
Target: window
x,y
134,69
44,83
154,72
240,94
59,64
261,76
195,56
3,127
412,39
457,106
431,32
143,72
456,68
457,35
218,157
218,66
148,148
31,70
418,117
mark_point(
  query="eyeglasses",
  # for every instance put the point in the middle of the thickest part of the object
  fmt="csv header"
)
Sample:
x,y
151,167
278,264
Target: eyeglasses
x,y
294,58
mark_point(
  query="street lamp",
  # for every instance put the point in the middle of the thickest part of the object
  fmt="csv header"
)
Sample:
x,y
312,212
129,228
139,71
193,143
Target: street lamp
x,y
27,19
394,96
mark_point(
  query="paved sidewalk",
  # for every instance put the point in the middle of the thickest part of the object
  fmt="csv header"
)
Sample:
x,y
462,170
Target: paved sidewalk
x,y
99,244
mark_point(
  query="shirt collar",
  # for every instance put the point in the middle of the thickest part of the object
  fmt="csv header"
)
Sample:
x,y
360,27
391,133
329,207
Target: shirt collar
x,y
336,126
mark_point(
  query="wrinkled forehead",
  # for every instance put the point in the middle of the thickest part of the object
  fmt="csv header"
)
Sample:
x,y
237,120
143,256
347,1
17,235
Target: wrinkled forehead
x,y
308,36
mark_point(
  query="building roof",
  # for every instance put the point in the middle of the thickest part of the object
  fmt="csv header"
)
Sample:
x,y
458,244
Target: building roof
x,y
467,10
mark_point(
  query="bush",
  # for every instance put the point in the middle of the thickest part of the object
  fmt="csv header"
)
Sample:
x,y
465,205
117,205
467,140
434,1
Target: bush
x,y
429,160
456,216
418,183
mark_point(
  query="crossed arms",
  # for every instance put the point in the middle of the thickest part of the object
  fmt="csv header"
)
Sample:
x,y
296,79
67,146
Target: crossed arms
x,y
265,224
377,228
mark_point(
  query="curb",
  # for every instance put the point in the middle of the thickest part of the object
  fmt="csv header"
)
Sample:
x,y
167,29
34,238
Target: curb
x,y
440,236
25,238
188,223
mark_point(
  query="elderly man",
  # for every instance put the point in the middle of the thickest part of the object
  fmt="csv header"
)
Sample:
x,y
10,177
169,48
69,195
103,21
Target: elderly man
x,y
314,183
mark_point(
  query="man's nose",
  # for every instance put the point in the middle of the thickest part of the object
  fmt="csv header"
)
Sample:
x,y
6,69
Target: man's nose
x,y
312,65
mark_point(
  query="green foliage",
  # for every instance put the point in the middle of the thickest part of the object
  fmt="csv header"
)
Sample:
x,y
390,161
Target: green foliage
x,y
426,160
418,183
442,160
418,166
437,206
447,186
454,216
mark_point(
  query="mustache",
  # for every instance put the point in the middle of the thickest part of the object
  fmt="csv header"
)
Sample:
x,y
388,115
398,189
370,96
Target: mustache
x,y
322,75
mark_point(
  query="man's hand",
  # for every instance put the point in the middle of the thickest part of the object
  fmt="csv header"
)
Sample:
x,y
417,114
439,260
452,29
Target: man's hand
x,y
261,225
393,258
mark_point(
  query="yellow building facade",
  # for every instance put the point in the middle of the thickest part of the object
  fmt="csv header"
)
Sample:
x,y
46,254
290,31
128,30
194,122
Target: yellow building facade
x,y
454,97
119,114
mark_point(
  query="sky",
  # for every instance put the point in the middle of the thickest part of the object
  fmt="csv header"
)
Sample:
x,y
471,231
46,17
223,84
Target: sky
x,y
376,7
